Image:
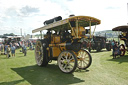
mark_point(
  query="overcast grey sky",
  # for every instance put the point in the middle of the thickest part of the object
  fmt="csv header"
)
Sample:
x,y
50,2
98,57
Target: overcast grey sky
x,y
30,14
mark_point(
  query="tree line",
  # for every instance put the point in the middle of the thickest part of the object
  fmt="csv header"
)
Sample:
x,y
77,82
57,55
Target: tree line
x,y
4,35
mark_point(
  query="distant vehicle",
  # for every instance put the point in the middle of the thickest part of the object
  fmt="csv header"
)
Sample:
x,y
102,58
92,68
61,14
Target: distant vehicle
x,y
123,30
63,42
98,43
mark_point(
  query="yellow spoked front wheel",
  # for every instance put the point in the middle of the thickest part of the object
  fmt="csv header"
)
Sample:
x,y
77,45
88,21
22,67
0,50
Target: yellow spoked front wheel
x,y
67,61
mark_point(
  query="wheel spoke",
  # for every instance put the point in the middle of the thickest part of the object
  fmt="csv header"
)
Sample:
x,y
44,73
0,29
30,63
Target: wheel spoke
x,y
81,63
62,58
70,65
85,62
66,56
65,66
71,59
40,60
62,61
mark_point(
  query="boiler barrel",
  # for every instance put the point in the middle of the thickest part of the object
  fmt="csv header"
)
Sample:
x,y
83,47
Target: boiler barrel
x,y
52,20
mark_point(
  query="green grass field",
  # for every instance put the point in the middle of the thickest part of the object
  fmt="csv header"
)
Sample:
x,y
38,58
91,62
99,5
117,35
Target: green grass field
x,y
22,70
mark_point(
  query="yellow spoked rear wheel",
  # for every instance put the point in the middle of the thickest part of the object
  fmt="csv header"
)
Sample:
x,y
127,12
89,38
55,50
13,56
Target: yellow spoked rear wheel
x,y
84,59
41,53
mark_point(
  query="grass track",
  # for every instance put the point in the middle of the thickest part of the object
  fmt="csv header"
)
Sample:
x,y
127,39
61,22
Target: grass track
x,y
22,70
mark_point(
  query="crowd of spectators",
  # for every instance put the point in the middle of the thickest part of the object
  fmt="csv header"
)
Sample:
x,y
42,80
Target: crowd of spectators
x,y
9,49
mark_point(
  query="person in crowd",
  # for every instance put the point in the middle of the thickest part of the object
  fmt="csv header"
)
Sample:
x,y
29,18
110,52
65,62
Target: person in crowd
x,y
2,47
24,49
13,50
10,44
23,44
31,46
17,45
116,50
113,46
8,52
5,49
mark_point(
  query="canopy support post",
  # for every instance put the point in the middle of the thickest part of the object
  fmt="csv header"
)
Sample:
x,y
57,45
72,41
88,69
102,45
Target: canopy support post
x,y
41,34
77,27
94,30
118,37
72,29
90,27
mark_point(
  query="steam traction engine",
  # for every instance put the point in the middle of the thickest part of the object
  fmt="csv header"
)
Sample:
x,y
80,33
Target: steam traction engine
x,y
63,42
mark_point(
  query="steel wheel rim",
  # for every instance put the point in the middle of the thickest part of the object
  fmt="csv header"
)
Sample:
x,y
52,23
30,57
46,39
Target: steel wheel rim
x,y
83,59
39,53
66,62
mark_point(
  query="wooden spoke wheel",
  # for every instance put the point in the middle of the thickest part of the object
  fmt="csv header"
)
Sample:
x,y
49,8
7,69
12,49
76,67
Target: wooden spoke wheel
x,y
41,53
67,61
122,50
84,59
